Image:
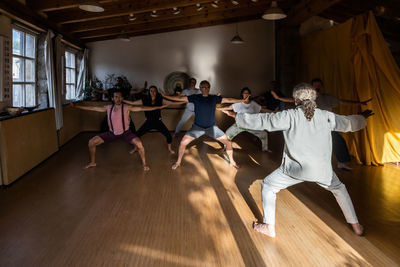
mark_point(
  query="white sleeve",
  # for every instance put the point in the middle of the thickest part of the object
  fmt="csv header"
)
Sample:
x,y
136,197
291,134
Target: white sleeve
x,y
349,123
236,107
257,107
279,121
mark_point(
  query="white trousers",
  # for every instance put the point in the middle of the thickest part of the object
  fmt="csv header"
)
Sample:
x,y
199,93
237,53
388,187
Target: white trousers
x,y
185,117
262,135
277,180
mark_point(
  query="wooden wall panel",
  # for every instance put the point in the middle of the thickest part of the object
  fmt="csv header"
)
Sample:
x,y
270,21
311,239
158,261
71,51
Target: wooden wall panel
x,y
25,142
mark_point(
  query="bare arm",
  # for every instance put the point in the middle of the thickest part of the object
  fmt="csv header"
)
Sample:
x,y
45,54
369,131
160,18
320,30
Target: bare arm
x,y
353,102
233,100
283,99
134,103
266,110
183,99
144,108
98,109
225,108
167,102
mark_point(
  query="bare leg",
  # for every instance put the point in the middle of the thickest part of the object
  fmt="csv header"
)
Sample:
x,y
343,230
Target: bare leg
x,y
182,147
229,150
136,141
171,151
134,149
95,141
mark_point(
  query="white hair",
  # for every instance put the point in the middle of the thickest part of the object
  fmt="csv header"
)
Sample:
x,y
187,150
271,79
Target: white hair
x,y
305,95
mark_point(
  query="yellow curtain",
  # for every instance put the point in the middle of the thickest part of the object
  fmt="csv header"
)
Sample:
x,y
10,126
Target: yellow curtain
x,y
355,63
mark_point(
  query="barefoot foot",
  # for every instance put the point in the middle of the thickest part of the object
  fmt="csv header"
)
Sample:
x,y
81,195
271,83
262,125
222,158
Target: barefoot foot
x,y
133,150
358,229
146,168
90,165
266,229
176,165
171,152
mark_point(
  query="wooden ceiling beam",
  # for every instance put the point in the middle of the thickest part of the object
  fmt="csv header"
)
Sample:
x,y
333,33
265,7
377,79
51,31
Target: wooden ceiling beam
x,y
53,5
119,9
307,9
22,13
173,23
145,17
177,28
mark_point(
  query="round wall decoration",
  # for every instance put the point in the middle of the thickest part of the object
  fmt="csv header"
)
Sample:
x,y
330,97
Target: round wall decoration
x,y
175,82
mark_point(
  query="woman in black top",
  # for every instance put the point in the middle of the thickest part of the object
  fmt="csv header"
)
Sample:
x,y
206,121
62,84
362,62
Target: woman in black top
x,y
153,118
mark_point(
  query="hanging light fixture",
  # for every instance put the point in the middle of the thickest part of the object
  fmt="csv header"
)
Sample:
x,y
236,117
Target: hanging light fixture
x,y
235,2
274,12
199,7
154,14
237,39
176,11
132,17
215,4
92,6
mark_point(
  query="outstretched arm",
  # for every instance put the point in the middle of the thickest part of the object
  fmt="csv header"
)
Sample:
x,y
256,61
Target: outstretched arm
x,y
283,99
144,108
134,103
233,100
173,98
167,102
137,91
266,110
353,102
98,109
351,123
225,108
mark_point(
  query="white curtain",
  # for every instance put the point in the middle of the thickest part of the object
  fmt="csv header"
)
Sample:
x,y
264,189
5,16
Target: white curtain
x,y
50,72
82,76
59,88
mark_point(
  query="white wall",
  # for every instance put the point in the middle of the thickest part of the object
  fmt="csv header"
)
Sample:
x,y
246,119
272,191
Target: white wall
x,y
204,53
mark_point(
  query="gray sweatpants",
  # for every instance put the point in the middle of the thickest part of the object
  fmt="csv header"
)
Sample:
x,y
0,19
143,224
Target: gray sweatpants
x,y
277,180
187,114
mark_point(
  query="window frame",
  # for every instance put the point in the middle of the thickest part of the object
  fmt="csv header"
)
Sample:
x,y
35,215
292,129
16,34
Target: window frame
x,y
24,59
74,52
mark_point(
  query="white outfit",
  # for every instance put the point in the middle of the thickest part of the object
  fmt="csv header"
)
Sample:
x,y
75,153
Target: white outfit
x,y
250,108
307,153
189,111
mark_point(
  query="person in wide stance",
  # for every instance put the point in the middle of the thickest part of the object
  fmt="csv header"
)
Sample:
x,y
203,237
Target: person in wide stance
x,y
307,152
118,123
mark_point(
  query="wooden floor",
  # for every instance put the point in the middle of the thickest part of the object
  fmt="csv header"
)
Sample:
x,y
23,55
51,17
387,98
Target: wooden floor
x,y
199,215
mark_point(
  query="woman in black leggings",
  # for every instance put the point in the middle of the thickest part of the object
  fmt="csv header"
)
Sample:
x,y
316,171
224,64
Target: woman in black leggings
x,y
153,118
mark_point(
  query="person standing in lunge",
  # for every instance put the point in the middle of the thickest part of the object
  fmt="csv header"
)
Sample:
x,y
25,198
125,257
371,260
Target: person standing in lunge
x,y
307,152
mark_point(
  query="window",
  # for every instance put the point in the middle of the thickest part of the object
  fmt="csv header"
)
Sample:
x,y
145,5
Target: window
x,y
70,73
23,68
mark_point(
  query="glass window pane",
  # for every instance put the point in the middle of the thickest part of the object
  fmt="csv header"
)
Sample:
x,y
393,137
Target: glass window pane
x,y
30,46
73,76
18,69
29,70
67,76
17,95
70,91
67,59
72,64
18,41
30,95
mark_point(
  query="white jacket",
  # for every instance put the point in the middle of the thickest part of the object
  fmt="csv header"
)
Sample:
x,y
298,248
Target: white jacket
x,y
308,144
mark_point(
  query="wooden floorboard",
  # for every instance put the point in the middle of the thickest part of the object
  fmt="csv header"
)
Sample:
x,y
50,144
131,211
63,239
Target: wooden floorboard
x,y
198,215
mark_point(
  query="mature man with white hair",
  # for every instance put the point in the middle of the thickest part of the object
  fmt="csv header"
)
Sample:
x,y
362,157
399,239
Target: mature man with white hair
x,y
307,152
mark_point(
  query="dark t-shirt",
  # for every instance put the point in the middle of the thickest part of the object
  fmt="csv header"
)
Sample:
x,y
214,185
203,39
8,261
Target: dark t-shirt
x,y
270,102
154,114
204,109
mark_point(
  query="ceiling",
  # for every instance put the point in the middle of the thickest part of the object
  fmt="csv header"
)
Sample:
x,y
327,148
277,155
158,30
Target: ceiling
x,y
82,27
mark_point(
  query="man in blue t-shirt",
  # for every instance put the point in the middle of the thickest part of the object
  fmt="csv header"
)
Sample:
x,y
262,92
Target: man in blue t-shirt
x,y
204,120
